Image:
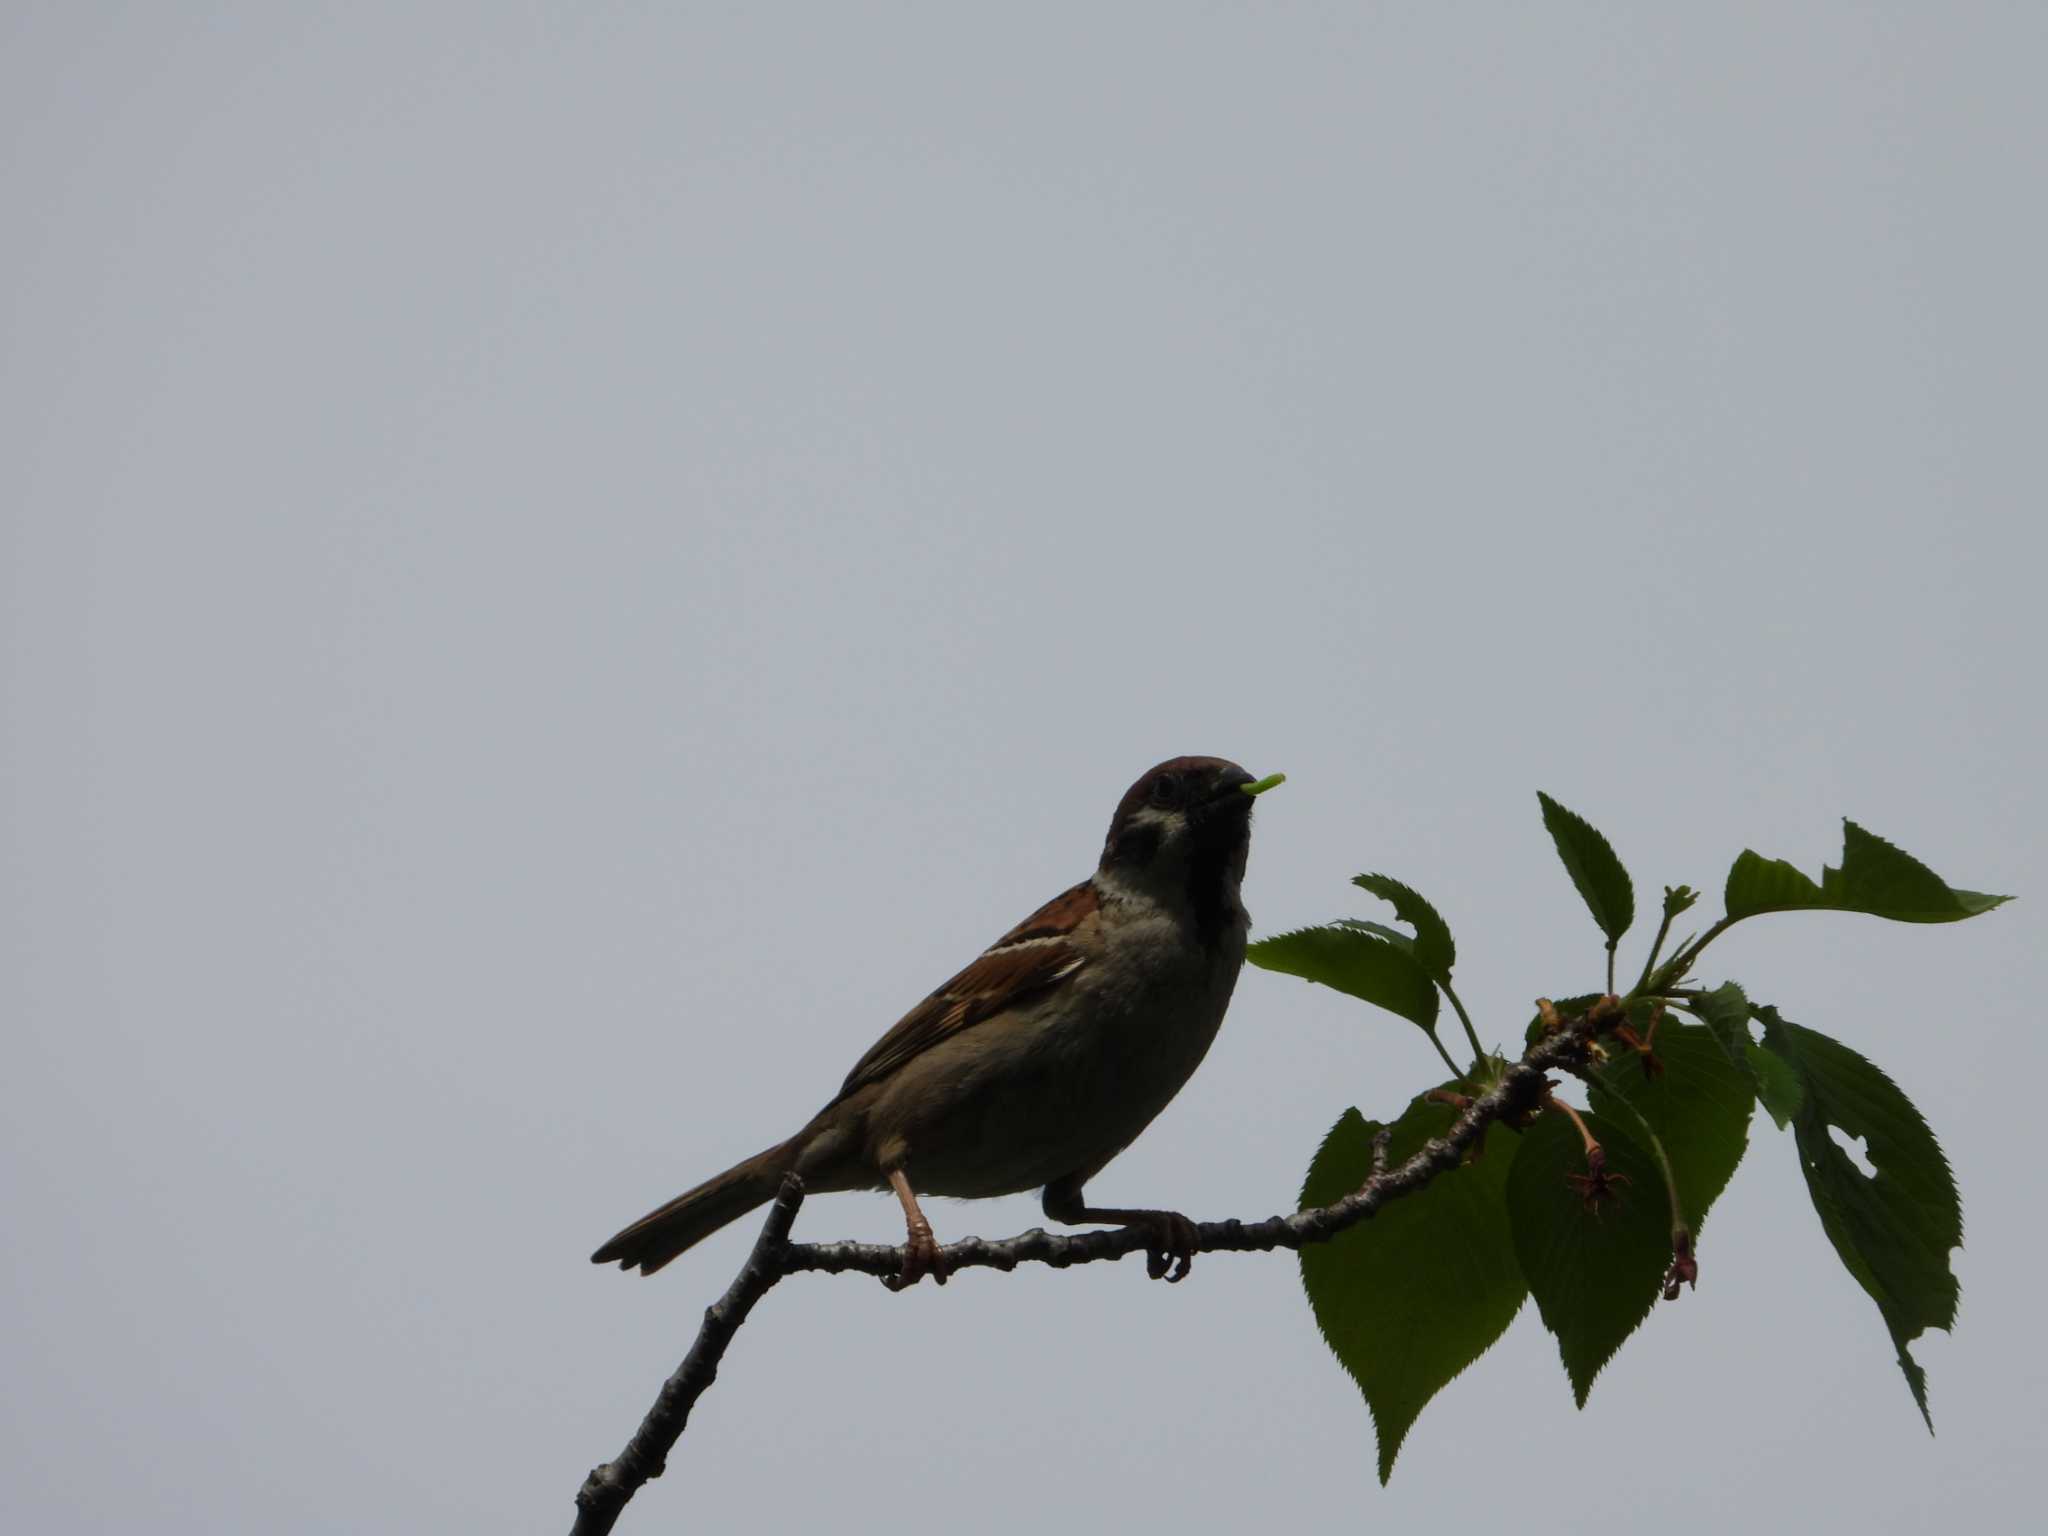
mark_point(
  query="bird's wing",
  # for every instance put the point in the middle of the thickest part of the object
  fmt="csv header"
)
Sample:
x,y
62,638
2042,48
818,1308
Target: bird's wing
x,y
1038,953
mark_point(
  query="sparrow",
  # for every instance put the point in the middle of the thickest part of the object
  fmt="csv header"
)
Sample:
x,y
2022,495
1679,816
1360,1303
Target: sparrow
x,y
1046,1056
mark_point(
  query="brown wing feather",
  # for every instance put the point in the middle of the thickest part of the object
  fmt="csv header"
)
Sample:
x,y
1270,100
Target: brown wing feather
x,y
1056,919
1029,958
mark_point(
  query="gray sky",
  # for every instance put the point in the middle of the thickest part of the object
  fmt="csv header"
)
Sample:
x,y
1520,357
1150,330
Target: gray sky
x,y
562,566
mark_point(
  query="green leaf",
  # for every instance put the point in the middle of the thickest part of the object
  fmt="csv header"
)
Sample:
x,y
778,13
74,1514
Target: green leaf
x,y
1698,1108
1778,1087
1894,1231
1594,869
1354,961
1725,1012
1596,1270
1874,877
1410,1298
1757,884
1433,947
1394,936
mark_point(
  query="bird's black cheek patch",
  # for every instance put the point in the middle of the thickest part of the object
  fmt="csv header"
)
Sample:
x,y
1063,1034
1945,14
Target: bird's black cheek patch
x,y
1137,845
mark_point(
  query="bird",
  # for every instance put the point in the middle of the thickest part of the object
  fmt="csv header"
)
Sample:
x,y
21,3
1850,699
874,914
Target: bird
x,y
1045,1057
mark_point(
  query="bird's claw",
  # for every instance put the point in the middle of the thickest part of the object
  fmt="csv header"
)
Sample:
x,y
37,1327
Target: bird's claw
x,y
921,1256
1170,1248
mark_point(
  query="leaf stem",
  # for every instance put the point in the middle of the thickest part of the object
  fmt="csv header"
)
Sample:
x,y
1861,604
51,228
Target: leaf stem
x,y
1678,1221
1552,1101
1685,1267
1455,1071
1656,948
1688,956
1464,1018
1610,964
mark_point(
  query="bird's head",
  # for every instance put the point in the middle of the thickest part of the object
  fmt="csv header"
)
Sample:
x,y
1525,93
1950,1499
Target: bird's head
x,y
1185,825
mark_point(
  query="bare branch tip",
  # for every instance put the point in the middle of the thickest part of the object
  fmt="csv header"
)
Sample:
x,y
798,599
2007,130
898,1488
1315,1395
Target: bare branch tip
x,y
1380,1143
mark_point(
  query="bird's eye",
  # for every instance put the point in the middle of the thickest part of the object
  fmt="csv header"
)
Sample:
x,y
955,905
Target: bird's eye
x,y
1166,790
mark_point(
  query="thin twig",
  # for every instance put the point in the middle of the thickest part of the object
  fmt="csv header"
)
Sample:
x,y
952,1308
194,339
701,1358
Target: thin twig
x,y
1382,1139
1518,1091
605,1492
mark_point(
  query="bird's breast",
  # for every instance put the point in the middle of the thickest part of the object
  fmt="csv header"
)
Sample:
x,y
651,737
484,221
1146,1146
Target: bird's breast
x,y
1080,1073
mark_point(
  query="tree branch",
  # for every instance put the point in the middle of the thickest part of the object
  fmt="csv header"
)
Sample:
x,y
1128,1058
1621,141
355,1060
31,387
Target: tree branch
x,y
1520,1090
605,1492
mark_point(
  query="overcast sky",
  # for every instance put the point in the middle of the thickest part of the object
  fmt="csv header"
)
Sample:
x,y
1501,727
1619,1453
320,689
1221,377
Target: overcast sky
x,y
563,565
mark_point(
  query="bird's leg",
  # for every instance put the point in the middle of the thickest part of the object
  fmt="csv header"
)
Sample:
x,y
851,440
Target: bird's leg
x,y
1169,1235
920,1248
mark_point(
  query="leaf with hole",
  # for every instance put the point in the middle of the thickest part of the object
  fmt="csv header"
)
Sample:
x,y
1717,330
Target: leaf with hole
x,y
1410,1298
1874,877
1893,1231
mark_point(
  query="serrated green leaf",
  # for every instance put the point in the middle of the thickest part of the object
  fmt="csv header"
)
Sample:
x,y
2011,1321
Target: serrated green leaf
x,y
1757,884
1433,946
1698,1108
1589,859
1356,962
1595,1271
1894,1232
1874,877
1410,1298
1394,936
1725,1012
1777,1086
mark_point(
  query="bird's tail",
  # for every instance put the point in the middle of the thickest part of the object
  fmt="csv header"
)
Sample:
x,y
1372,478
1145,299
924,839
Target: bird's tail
x,y
695,1214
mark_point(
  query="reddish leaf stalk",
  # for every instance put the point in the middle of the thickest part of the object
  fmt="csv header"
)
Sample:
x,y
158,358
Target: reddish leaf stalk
x,y
1685,1269
1596,1183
